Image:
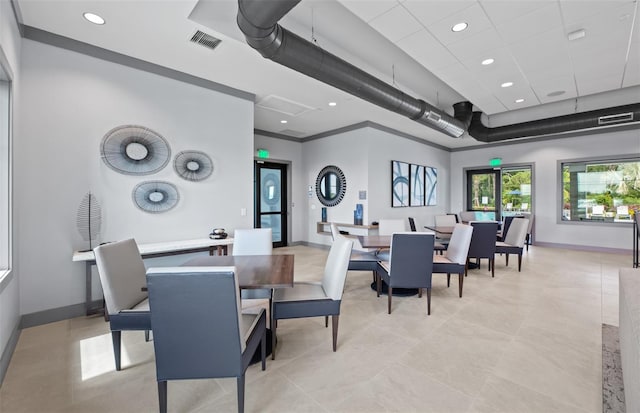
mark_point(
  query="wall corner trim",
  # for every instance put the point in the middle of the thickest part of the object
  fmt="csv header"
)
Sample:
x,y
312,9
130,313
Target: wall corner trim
x,y
8,352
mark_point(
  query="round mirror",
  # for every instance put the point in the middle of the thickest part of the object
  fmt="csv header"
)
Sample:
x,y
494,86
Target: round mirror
x,y
331,185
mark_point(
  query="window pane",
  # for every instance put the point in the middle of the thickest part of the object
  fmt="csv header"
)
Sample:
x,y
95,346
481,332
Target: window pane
x,y
4,175
600,190
483,191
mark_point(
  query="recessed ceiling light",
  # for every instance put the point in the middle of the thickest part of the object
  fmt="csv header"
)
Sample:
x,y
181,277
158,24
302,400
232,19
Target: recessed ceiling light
x,y
556,93
487,61
576,34
507,84
519,100
459,27
93,18
283,121
332,103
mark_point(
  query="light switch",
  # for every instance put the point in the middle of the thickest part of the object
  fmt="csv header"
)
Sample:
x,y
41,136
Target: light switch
x,y
243,212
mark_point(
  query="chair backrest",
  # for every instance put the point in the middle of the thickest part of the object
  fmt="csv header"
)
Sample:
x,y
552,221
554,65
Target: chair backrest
x,y
195,314
389,226
517,232
411,259
459,244
506,224
122,274
253,241
445,220
467,216
412,224
335,270
529,216
335,232
483,239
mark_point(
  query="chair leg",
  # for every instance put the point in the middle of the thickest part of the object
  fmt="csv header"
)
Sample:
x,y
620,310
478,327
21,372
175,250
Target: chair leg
x,y
334,326
162,396
274,325
374,276
460,279
419,292
389,295
115,338
527,241
507,259
448,280
466,267
263,350
492,264
428,301
519,261
326,321
240,384
146,335
378,285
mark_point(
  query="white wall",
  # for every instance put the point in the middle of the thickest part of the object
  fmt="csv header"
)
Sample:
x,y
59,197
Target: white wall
x,y
10,46
70,102
288,151
545,155
365,156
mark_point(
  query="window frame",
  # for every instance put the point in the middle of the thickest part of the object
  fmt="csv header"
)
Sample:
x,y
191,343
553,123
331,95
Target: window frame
x,y
560,187
6,274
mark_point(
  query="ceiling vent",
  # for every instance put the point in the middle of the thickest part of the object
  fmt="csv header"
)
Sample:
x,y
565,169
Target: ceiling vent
x,y
608,120
282,105
205,40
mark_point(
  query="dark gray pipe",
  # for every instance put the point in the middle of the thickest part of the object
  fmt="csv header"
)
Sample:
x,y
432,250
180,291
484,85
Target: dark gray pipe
x,y
258,21
558,124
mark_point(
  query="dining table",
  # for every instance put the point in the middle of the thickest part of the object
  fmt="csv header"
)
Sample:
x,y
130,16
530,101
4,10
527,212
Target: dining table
x,y
253,271
384,241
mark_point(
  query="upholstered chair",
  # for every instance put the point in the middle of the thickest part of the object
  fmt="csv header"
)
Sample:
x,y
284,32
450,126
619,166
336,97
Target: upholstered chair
x,y
122,275
359,260
388,227
483,243
199,330
514,242
454,259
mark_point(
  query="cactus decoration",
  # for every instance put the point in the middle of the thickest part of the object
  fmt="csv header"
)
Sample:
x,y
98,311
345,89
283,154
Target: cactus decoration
x,y
89,218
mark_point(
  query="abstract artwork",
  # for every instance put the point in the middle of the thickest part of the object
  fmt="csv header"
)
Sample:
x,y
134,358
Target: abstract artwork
x,y
399,184
193,165
417,185
155,196
134,150
430,181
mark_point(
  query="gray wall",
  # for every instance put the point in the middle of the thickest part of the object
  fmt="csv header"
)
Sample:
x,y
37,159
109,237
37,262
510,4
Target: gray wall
x,y
70,102
545,156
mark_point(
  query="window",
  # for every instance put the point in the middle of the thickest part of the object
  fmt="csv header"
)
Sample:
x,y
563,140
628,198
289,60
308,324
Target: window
x,y
496,193
600,190
5,171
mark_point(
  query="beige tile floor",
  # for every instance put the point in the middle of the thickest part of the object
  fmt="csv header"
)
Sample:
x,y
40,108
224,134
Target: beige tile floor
x,y
521,342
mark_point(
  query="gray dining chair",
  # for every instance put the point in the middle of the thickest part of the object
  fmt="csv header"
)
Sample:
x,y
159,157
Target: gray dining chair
x,y
410,265
122,275
199,330
483,243
388,227
444,221
454,260
315,299
359,260
514,242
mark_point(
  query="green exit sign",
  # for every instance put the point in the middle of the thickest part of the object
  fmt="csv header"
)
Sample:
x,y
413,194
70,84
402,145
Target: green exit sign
x,y
495,162
263,153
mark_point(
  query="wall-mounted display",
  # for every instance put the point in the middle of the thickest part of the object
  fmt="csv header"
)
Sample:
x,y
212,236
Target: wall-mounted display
x,y
193,165
331,185
399,184
134,150
155,196
412,185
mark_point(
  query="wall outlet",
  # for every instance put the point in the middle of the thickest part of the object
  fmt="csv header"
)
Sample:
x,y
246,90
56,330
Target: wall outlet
x,y
243,212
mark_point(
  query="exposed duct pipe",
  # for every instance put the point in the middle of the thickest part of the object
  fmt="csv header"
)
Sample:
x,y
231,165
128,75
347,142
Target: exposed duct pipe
x,y
258,20
585,120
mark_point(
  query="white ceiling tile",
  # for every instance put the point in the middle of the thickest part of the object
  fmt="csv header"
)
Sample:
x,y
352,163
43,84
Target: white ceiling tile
x,y
426,50
588,85
369,9
530,99
539,52
502,11
608,63
474,16
477,45
632,69
501,55
575,11
550,85
428,12
536,22
396,24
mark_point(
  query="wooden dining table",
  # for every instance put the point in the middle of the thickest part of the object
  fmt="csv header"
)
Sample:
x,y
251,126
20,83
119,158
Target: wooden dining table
x,y
254,271
384,241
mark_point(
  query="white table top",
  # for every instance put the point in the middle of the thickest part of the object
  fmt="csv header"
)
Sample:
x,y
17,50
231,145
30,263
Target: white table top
x,y
161,247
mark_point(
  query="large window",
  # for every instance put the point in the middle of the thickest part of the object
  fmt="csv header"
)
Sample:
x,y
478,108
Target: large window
x,y
5,172
600,190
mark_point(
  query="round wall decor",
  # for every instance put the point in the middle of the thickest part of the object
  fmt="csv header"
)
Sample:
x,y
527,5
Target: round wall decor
x,y
155,196
193,165
331,185
134,150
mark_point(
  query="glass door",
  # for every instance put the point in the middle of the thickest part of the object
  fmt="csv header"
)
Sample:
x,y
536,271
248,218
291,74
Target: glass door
x,y
271,200
516,190
483,193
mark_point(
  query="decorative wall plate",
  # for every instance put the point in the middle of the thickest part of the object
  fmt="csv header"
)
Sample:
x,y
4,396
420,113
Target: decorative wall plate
x,y
193,165
134,150
155,196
